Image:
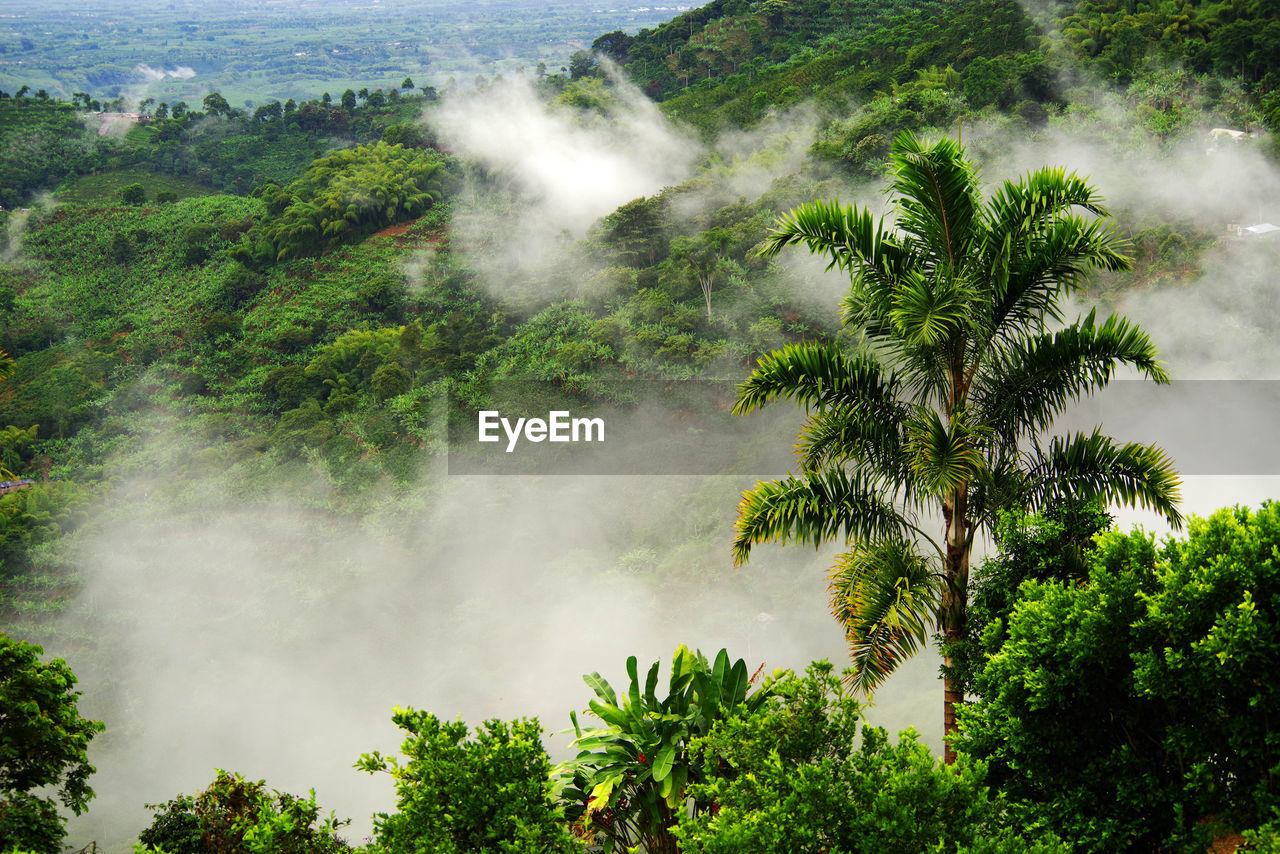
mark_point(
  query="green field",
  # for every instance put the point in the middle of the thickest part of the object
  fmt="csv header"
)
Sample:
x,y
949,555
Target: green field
x,y
105,186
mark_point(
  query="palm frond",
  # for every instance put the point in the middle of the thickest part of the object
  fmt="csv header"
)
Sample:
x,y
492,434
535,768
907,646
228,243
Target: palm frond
x,y
928,310
846,234
1030,382
870,438
885,597
943,456
1019,208
1038,268
1095,466
937,191
817,375
813,508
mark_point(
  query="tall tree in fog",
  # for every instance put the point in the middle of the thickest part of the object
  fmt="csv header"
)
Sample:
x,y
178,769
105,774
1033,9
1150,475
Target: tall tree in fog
x,y
942,405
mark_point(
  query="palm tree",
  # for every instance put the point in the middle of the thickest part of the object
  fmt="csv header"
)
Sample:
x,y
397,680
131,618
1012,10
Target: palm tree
x,y
942,405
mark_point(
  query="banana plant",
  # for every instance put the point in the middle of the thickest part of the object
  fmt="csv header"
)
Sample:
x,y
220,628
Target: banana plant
x,y
628,785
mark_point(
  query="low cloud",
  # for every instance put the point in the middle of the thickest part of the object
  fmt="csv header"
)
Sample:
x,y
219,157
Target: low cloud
x,y
155,75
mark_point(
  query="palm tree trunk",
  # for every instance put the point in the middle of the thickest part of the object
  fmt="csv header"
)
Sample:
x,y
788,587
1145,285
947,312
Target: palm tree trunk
x,y
953,614
952,697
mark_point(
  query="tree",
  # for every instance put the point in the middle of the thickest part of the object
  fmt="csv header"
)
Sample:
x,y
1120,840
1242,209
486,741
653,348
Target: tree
x,y
348,100
133,194
582,64
638,230
704,256
1053,545
377,100
614,45
216,105
481,796
43,748
267,112
1131,712
238,816
807,775
942,406
407,83
352,191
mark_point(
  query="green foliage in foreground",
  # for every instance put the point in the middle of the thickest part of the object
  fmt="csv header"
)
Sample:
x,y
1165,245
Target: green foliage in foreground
x,y
806,775
629,785
1056,544
489,795
43,748
238,816
1126,711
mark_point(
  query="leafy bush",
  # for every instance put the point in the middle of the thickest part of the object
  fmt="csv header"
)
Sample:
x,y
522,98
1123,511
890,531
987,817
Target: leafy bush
x,y
38,514
240,285
1055,545
633,779
133,194
806,775
221,323
195,243
122,248
238,816
1085,716
30,825
461,796
389,380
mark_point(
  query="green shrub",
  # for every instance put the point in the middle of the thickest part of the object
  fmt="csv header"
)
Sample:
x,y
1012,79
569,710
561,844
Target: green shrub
x,y
305,426
195,243
288,385
382,294
221,323
30,825
133,194
390,380
806,775
122,248
240,285
1166,642
294,339
238,816
192,384
636,776
479,796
